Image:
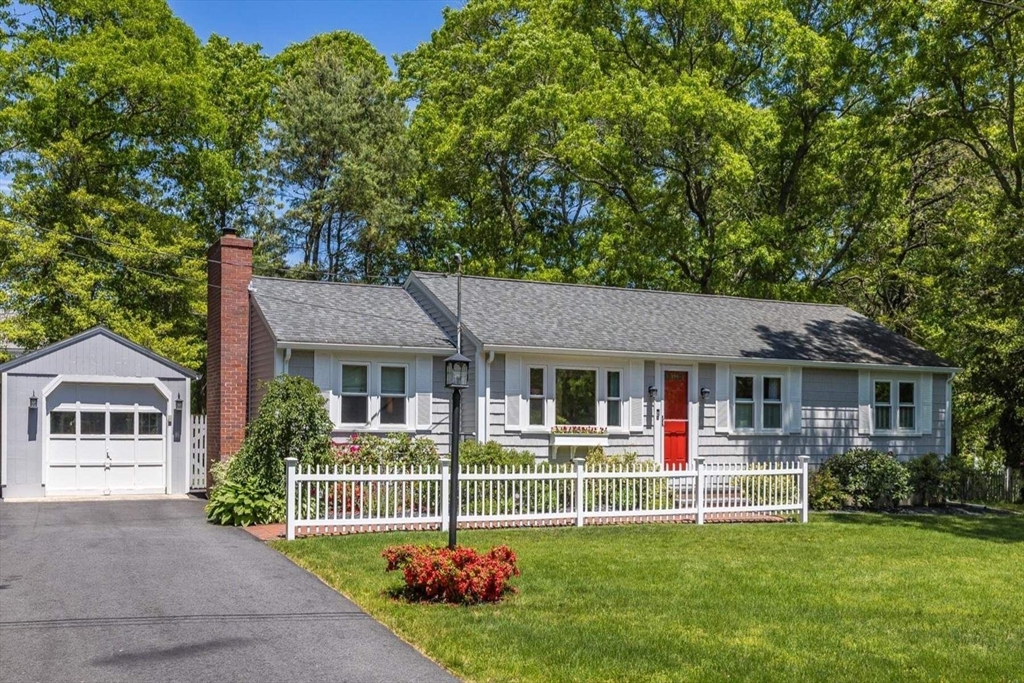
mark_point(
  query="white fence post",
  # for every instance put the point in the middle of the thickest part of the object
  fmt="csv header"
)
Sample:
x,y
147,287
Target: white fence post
x,y
700,489
581,467
290,464
804,480
446,465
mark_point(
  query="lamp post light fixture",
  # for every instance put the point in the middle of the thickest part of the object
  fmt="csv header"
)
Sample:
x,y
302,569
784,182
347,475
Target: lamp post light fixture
x,y
456,378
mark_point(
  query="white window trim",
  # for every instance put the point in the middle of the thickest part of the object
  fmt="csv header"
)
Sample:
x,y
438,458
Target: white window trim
x,y
550,368
894,406
380,395
373,396
342,394
530,396
781,402
758,402
608,400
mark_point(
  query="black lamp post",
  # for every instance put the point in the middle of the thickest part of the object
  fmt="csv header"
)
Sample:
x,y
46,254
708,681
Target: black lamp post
x,y
456,378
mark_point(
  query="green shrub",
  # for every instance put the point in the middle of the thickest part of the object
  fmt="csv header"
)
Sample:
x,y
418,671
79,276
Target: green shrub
x,y
250,501
397,449
928,479
825,492
870,478
292,422
474,453
596,457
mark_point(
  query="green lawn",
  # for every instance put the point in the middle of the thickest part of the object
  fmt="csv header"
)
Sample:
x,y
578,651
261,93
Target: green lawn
x,y
853,597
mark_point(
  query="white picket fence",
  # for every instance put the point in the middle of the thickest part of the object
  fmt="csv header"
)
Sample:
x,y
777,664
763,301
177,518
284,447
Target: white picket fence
x,y
333,500
197,472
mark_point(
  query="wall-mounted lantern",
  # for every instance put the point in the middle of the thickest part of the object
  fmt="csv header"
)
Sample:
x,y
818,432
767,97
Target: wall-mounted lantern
x,y
33,401
705,393
179,404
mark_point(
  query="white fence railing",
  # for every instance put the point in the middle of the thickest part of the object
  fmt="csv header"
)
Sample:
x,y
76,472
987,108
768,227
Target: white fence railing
x,y
197,471
330,500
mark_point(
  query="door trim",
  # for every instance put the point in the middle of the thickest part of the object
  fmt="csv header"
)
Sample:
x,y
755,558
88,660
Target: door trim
x,y
59,380
692,413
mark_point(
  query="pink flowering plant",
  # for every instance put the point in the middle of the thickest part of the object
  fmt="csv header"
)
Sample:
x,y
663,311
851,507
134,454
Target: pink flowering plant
x,y
461,576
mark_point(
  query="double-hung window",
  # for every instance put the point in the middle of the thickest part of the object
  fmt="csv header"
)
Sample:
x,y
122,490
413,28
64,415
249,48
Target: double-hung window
x,y
757,403
907,407
895,397
355,394
392,394
537,397
771,403
743,418
614,398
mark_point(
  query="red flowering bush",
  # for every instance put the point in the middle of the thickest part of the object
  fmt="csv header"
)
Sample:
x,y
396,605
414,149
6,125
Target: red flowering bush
x,y
461,576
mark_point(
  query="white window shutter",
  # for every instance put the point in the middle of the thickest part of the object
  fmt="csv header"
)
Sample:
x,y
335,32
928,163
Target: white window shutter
x,y
513,392
636,395
723,415
424,390
924,417
863,402
794,401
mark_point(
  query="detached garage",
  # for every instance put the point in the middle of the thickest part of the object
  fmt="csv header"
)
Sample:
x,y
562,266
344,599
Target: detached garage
x,y
93,415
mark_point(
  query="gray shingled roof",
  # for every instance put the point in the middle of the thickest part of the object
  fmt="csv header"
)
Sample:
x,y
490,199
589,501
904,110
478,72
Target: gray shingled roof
x,y
540,314
302,311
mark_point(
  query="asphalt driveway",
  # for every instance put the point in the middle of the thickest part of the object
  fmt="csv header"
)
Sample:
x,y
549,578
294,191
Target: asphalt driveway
x,y
147,591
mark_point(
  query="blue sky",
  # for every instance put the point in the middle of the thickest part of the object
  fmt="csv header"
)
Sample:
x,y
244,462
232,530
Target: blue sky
x,y
392,26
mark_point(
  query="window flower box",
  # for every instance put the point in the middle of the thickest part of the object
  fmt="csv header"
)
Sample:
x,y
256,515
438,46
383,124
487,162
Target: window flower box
x,y
585,430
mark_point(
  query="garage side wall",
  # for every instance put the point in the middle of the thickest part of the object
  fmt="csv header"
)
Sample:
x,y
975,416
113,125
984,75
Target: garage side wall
x,y
94,356
24,434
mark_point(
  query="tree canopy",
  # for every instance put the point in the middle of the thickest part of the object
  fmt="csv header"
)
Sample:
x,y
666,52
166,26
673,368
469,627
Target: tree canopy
x,y
864,153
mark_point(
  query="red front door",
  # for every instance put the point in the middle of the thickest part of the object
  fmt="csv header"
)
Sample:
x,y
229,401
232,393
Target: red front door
x,y
677,418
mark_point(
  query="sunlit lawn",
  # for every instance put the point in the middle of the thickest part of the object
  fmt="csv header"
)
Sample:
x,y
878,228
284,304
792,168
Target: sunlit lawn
x,y
851,597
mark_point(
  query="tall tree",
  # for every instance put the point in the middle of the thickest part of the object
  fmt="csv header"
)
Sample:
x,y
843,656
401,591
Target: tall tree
x,y
100,120
341,160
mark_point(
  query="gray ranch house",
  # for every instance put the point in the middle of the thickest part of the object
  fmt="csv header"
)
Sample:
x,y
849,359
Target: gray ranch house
x,y
558,367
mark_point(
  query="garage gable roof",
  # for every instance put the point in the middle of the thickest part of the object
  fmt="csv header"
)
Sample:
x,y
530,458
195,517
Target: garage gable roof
x,y
92,332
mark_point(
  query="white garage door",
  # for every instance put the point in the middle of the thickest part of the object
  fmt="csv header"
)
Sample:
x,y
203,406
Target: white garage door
x,y
106,439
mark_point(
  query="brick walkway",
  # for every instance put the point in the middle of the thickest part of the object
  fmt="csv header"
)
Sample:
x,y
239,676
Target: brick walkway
x,y
269,532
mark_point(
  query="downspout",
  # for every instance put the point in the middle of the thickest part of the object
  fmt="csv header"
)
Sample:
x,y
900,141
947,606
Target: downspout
x,y
287,359
485,433
949,414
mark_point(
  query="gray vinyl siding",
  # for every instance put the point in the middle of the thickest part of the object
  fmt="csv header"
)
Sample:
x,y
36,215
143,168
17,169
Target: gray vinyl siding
x,y
261,362
97,355
829,417
447,325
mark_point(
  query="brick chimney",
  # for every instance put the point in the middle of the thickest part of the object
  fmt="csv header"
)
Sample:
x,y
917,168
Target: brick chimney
x,y
229,271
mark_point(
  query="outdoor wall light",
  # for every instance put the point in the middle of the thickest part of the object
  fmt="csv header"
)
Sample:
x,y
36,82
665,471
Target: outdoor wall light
x,y
652,392
33,401
705,393
178,403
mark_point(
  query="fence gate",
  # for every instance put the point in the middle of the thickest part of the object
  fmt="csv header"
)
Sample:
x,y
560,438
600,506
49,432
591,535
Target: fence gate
x,y
197,478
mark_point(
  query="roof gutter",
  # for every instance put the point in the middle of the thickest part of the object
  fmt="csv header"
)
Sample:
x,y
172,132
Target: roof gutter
x,y
317,346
